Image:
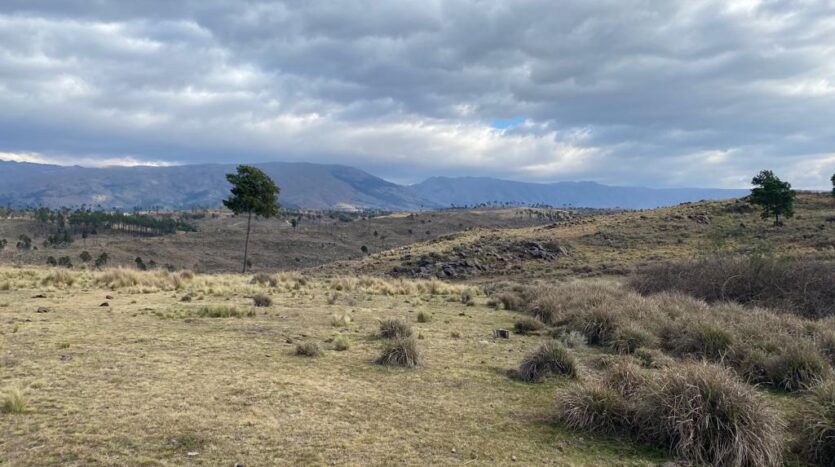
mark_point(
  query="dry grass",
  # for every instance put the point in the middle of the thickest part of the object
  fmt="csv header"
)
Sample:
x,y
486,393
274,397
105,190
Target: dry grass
x,y
394,329
402,352
135,389
548,359
13,401
816,426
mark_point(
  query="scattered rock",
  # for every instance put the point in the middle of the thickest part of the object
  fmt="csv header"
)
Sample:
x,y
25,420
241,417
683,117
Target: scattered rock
x,y
191,453
105,304
289,340
42,309
40,295
108,297
66,358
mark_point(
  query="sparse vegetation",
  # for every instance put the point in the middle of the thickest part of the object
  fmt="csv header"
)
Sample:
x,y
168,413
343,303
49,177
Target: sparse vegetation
x,y
341,343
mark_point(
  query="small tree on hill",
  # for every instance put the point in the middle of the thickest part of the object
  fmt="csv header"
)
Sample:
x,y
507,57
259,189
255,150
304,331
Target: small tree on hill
x,y
85,256
833,185
773,195
253,192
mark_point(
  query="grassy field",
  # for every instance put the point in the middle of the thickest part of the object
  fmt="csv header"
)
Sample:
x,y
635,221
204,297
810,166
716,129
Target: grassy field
x,y
146,381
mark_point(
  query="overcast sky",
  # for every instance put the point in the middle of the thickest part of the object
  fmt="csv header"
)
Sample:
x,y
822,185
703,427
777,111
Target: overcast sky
x,y
628,92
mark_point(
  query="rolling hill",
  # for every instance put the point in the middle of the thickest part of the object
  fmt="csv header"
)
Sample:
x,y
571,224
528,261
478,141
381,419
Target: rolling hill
x,y
306,185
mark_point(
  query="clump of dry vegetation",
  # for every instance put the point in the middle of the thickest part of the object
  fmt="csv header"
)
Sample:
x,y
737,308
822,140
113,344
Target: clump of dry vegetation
x,y
551,358
261,300
13,401
816,426
309,349
593,407
394,329
341,343
803,286
222,311
402,352
527,325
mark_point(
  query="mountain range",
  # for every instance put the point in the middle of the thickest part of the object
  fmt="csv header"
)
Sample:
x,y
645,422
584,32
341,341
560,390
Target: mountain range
x,y
308,185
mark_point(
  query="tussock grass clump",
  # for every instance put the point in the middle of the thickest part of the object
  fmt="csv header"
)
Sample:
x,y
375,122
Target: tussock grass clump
x,y
402,352
341,343
222,311
527,325
702,413
394,329
599,325
261,300
593,407
13,401
308,349
264,279
816,426
423,317
58,278
628,339
797,368
652,358
801,285
699,339
549,359
626,378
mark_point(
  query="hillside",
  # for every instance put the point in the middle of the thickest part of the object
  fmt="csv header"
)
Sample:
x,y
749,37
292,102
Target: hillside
x,y
305,185
612,244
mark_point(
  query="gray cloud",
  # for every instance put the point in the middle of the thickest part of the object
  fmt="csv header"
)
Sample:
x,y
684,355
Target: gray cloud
x,y
697,92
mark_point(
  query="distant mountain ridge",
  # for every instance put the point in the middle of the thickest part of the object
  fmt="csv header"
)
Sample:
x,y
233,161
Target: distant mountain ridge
x,y
308,185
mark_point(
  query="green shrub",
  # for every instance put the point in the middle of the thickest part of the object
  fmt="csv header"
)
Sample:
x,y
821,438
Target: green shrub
x,y
402,352
628,339
798,367
393,329
703,414
549,359
593,407
527,325
816,426
423,317
308,349
261,300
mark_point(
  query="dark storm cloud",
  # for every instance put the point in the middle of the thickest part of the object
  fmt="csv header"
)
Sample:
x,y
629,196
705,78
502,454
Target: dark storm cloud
x,y
622,91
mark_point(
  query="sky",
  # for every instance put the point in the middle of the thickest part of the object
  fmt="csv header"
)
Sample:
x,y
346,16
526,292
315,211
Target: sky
x,y
657,93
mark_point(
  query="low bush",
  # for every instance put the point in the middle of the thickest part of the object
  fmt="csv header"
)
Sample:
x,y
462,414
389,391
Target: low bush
x,y
816,426
261,300
423,317
393,329
340,321
308,349
527,325
572,339
703,414
652,358
593,407
549,359
402,352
